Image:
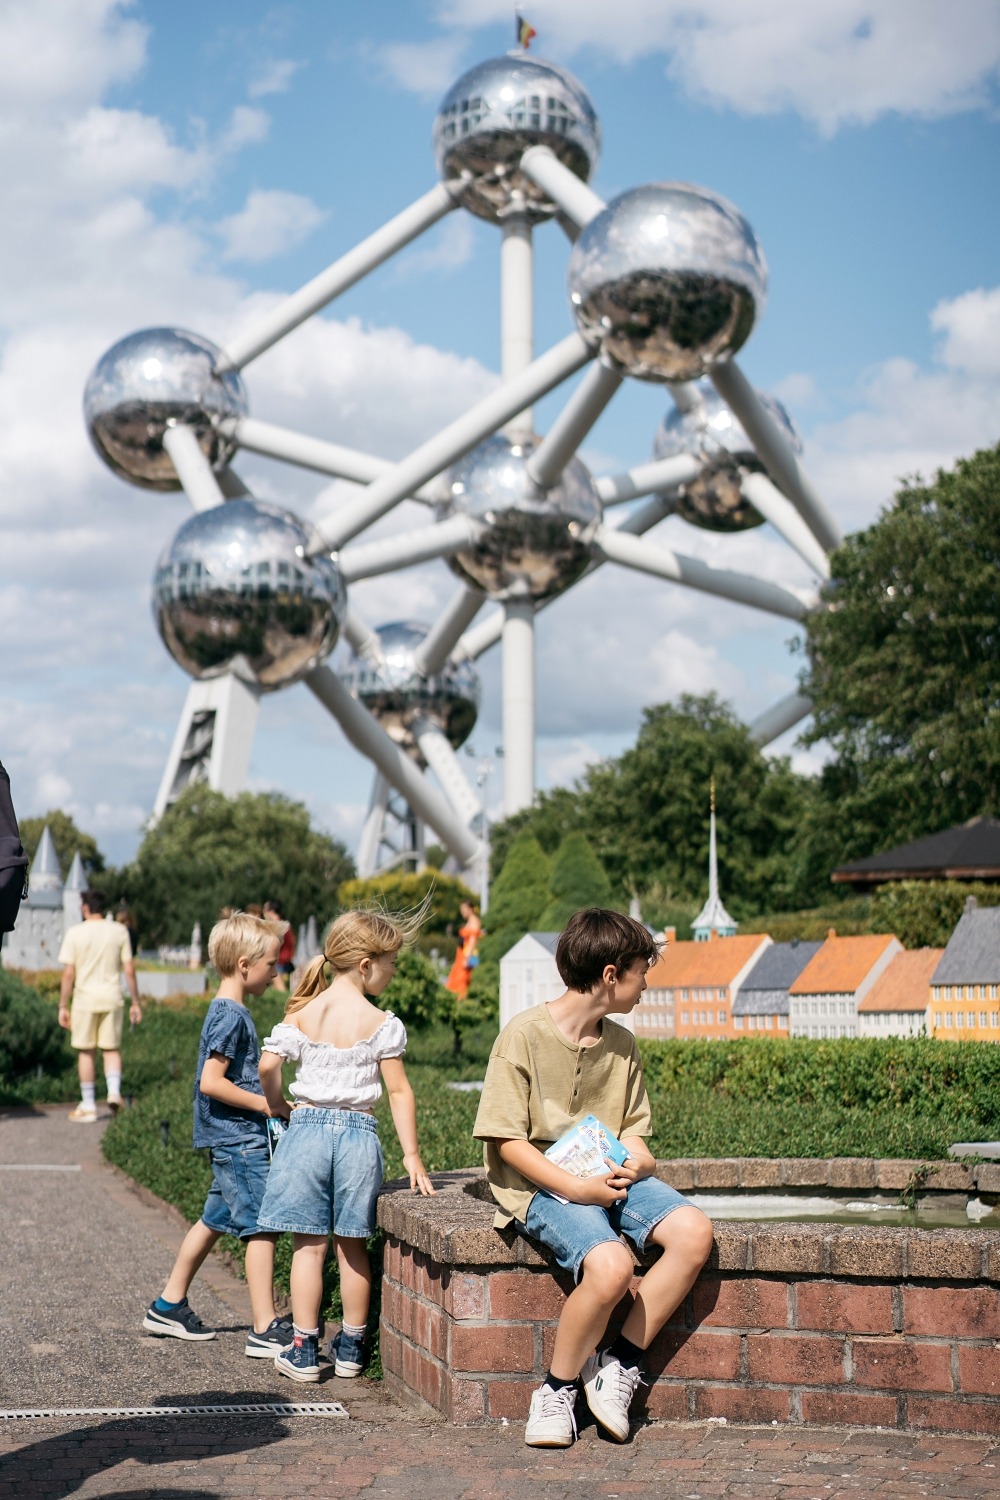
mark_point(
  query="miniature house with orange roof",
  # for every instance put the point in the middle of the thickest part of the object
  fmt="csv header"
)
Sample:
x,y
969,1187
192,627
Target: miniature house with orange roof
x,y
824,1000
898,1001
693,986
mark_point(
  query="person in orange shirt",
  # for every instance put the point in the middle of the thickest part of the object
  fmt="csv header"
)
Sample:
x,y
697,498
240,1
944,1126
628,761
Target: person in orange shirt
x,y
467,956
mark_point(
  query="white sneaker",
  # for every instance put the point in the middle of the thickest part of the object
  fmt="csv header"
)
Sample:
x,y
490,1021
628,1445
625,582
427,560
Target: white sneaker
x,y
609,1387
552,1418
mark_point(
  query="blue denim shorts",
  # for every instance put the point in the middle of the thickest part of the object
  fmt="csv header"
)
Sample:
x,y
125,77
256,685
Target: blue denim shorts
x,y
572,1230
326,1174
239,1176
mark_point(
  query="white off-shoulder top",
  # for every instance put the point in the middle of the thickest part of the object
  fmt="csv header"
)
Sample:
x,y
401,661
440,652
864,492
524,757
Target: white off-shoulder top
x,y
337,1077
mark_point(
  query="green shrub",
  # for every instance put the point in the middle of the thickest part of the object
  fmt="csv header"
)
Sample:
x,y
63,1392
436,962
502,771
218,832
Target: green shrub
x,y
34,1049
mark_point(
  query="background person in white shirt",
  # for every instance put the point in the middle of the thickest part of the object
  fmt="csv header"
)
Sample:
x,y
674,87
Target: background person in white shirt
x,y
95,954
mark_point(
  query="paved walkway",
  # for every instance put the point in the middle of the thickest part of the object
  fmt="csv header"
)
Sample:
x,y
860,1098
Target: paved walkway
x,y
82,1253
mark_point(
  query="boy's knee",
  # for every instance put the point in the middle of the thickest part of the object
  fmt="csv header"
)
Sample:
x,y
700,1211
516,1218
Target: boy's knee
x,y
608,1269
687,1231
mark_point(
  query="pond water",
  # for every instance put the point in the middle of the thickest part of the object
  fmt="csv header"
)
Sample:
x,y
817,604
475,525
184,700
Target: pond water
x,y
954,1213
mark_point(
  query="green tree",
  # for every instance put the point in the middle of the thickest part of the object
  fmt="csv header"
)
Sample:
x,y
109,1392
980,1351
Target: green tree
x,y
646,815
904,665
67,839
577,880
517,900
925,913
210,851
402,890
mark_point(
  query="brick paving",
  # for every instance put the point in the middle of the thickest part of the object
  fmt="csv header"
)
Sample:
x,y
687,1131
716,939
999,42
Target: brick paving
x,y
65,1344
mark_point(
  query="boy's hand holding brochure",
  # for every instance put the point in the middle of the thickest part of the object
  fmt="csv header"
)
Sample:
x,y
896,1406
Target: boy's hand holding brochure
x,y
590,1151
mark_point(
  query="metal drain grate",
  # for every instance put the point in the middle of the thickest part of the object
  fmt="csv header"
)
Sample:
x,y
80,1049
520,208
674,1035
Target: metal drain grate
x,y
258,1408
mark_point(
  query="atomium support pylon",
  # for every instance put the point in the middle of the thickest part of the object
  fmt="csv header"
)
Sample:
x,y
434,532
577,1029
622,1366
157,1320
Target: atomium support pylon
x,y
665,284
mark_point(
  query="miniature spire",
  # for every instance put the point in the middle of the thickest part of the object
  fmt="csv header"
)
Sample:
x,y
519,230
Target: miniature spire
x,y
713,917
45,872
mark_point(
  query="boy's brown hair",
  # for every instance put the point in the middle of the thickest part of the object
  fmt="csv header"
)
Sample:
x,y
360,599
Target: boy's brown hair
x,y
596,937
240,936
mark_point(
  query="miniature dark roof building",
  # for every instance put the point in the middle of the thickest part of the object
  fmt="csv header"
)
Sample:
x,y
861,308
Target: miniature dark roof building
x,y
970,851
973,952
764,992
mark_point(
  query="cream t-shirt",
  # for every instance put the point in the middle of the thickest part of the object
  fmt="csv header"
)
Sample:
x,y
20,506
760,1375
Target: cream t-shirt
x,y
539,1083
98,952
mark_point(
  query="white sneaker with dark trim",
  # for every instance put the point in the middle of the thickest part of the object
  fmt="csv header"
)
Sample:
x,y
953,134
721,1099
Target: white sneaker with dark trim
x,y
610,1387
552,1418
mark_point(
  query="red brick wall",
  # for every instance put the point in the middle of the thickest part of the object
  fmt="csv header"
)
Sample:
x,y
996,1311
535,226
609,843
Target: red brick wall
x,y
748,1346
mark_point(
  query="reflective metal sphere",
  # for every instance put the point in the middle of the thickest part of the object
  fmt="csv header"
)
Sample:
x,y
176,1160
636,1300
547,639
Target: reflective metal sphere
x,y
667,280
494,113
536,541
397,694
711,432
236,592
149,381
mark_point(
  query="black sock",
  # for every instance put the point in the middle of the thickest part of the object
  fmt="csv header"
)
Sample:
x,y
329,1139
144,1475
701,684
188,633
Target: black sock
x,y
555,1384
627,1353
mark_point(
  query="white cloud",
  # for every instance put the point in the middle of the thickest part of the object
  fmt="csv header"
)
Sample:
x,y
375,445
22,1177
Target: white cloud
x,y
269,223
275,77
835,62
911,420
427,68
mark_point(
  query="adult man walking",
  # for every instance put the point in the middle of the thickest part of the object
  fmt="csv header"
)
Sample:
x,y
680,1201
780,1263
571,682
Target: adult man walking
x,y
96,953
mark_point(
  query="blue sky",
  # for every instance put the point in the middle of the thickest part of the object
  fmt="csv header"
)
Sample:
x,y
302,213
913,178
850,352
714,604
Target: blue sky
x,y
189,164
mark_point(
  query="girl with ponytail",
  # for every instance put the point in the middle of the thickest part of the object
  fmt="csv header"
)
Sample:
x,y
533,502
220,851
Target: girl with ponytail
x,y
328,1167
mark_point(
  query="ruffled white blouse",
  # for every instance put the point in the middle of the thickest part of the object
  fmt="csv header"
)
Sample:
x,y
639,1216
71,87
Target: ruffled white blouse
x,y
337,1077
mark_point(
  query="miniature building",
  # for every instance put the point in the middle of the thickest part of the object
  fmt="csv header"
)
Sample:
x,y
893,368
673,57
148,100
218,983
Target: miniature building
x,y
698,983
528,976
965,986
762,1003
898,1002
971,851
824,1000
49,908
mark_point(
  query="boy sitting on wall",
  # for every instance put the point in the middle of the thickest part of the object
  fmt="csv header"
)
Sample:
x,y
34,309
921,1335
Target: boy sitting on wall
x,y
551,1066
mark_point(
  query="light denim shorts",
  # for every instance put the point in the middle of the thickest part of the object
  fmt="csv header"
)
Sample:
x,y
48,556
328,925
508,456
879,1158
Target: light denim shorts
x,y
326,1174
239,1176
572,1230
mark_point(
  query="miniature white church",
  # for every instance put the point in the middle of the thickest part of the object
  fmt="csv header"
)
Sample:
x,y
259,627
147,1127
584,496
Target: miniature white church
x,y
49,908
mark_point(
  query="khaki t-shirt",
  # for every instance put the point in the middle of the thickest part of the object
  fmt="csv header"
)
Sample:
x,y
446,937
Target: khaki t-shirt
x,y
98,951
539,1083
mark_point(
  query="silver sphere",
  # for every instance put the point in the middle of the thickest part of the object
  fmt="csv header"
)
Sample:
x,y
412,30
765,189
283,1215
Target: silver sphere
x,y
536,541
711,433
398,694
236,592
148,382
666,281
494,113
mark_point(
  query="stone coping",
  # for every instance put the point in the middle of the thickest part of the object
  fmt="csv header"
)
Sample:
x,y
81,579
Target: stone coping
x,y
455,1228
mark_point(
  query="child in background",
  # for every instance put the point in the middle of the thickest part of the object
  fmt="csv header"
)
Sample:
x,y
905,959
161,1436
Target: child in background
x,y
230,1118
328,1166
550,1067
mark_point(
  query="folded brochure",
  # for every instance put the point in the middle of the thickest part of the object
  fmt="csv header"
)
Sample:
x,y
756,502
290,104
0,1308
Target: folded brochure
x,y
583,1149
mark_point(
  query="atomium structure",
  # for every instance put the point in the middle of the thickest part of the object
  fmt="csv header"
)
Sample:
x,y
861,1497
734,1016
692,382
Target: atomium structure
x,y
664,284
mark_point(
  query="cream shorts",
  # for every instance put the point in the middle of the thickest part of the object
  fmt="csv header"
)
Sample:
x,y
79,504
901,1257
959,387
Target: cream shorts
x,y
97,1028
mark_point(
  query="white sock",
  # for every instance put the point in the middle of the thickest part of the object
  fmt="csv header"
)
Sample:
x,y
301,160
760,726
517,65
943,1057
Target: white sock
x,y
88,1094
114,1082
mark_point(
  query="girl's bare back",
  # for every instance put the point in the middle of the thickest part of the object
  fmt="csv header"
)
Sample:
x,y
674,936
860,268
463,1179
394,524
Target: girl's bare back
x,y
340,1016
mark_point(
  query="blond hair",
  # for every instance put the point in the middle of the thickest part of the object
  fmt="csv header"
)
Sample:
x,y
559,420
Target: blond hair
x,y
369,932
241,936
